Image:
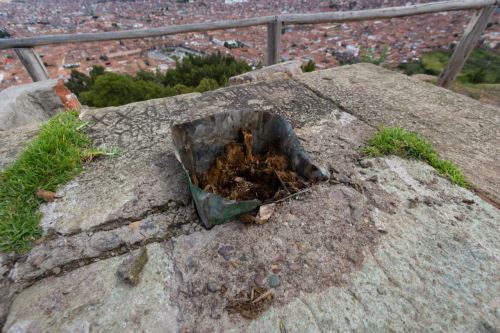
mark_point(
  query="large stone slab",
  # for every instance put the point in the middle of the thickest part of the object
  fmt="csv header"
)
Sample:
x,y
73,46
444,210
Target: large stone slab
x,y
405,251
34,103
282,70
144,176
14,141
93,299
434,268
385,245
462,129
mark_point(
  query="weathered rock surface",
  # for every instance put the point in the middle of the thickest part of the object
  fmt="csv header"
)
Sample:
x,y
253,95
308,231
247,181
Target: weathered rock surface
x,y
33,103
432,270
14,141
93,299
462,129
385,245
428,269
283,70
145,176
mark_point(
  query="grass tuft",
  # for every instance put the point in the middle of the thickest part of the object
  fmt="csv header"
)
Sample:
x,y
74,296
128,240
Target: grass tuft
x,y
54,157
397,141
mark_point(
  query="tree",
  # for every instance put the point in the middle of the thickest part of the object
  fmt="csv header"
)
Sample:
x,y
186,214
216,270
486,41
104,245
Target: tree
x,y
111,89
194,73
206,85
78,82
96,71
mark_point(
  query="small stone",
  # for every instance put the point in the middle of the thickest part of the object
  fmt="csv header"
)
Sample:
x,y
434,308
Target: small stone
x,y
38,260
429,201
130,269
381,290
56,270
460,217
413,202
243,258
373,179
213,287
259,280
344,180
365,164
279,258
273,281
275,269
225,251
265,213
191,263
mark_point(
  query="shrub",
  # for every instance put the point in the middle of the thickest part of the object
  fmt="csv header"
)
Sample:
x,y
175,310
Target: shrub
x,y
483,66
195,73
309,67
369,56
113,89
206,85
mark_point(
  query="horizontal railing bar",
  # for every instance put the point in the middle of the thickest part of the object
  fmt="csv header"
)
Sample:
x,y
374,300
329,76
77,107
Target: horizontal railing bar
x,y
132,34
385,13
369,14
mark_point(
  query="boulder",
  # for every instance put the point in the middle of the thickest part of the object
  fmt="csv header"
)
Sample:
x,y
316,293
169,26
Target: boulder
x,y
284,70
34,102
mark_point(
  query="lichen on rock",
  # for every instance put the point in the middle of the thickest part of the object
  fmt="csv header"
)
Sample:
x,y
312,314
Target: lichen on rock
x,y
130,269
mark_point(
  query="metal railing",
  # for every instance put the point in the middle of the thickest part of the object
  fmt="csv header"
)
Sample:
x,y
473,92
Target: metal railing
x,y
484,10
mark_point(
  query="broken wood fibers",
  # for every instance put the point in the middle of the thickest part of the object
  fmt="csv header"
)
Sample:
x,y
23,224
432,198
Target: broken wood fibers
x,y
238,174
250,304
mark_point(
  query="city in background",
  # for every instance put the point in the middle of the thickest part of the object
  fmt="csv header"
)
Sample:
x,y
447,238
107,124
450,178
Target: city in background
x,y
328,45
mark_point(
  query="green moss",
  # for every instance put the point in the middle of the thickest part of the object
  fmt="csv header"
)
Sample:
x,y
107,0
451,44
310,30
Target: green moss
x,y
54,157
399,142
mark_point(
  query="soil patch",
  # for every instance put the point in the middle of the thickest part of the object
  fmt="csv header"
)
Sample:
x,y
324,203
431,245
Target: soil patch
x,y
239,174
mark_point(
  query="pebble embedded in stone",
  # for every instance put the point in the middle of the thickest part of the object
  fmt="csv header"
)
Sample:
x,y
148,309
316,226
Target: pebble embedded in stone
x,y
259,280
273,281
213,287
226,251
131,267
56,270
365,164
381,290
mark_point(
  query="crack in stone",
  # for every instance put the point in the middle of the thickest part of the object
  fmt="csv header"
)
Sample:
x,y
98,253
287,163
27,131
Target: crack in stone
x,y
324,97
173,230
120,222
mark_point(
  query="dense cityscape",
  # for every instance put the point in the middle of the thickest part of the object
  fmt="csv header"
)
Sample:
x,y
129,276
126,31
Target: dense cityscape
x,y
326,44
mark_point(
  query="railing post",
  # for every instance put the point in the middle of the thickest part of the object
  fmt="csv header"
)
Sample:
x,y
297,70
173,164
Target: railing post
x,y
464,48
33,64
273,41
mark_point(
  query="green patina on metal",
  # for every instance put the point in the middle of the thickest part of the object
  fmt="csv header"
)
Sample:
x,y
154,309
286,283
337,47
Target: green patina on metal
x,y
214,209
